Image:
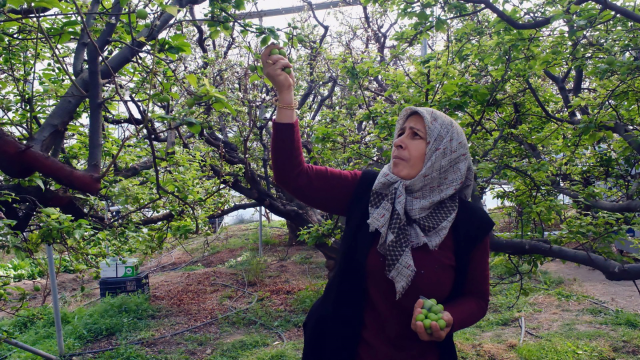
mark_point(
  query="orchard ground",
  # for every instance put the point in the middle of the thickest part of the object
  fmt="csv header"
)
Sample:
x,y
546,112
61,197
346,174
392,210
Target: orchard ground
x,y
191,284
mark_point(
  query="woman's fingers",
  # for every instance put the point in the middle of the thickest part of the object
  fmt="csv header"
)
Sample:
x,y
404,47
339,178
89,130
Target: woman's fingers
x,y
436,333
447,318
280,65
267,52
275,58
416,312
417,309
422,332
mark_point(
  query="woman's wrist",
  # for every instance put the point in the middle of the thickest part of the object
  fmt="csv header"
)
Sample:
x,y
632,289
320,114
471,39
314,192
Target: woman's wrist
x,y
286,115
286,97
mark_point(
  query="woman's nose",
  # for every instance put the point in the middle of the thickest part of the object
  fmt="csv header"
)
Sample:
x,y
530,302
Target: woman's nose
x,y
399,143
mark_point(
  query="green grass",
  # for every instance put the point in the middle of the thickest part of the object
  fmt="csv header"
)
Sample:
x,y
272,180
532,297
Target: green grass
x,y
239,348
263,315
591,333
121,316
616,318
303,300
125,352
560,346
257,346
192,268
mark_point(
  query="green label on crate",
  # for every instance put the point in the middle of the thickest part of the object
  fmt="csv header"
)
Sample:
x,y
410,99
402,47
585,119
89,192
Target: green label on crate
x,y
129,271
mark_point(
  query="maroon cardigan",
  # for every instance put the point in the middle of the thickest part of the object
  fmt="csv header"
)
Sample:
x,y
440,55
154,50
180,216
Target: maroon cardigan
x,y
386,333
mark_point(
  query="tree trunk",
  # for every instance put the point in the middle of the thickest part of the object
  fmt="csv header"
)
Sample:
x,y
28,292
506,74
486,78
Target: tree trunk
x,y
293,233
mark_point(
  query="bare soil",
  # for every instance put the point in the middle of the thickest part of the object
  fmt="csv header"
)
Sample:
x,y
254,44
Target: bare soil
x,y
618,294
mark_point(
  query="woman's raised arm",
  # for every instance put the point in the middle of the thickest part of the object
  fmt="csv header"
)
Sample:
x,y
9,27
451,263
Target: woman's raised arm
x,y
323,188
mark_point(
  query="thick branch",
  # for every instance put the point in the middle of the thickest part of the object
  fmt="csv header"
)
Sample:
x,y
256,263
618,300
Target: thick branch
x,y
54,127
135,169
78,57
626,134
610,269
233,209
110,27
20,161
544,108
36,196
630,206
629,14
94,160
157,218
201,38
564,94
506,18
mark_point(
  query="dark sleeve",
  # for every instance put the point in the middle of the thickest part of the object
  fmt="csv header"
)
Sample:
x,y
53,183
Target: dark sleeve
x,y
473,302
320,187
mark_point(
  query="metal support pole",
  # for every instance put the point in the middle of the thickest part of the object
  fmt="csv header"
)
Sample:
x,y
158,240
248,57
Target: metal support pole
x,y
28,348
424,48
54,297
260,234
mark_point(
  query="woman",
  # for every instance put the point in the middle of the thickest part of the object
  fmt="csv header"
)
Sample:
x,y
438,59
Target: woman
x,y
410,232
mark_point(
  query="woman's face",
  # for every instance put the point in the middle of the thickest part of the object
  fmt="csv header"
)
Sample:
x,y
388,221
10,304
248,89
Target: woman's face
x,y
409,148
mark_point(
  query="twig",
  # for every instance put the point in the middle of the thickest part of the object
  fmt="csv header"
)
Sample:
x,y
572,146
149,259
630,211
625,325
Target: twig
x,y
603,305
532,334
62,65
106,171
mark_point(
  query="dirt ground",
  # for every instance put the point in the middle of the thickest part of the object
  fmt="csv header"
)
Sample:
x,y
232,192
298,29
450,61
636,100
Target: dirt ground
x,y
618,294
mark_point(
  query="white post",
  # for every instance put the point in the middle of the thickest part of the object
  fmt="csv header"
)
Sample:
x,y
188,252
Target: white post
x,y
54,298
260,234
424,49
106,219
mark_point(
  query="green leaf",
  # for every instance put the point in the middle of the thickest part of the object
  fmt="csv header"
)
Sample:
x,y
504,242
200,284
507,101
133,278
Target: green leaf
x,y
64,38
173,10
449,88
265,40
16,3
192,80
39,182
441,25
218,106
230,108
254,78
49,211
123,2
47,3
194,128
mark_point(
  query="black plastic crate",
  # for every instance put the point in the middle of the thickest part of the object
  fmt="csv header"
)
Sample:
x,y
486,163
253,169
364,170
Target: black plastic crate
x,y
124,285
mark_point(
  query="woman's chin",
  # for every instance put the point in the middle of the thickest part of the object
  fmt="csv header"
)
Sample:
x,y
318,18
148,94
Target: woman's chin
x,y
399,172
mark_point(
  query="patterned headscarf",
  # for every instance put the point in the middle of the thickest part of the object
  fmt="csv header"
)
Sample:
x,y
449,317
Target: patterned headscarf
x,y
410,213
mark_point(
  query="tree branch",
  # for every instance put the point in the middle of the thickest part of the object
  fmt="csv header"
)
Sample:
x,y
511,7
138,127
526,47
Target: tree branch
x,y
610,269
165,216
543,108
53,129
21,161
506,18
78,57
233,209
94,159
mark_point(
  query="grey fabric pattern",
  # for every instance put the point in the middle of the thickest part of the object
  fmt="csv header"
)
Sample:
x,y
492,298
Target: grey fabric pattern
x,y
411,213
